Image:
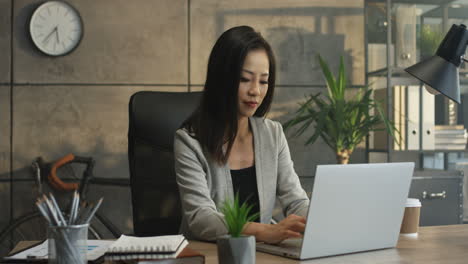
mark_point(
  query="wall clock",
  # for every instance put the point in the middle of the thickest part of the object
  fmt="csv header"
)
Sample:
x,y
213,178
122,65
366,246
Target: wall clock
x,y
56,28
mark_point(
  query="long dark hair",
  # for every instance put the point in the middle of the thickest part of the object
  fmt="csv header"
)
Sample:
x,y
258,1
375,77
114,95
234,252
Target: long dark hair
x,y
214,122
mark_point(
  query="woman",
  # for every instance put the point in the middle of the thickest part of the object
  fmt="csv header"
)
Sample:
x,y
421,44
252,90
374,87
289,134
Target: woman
x,y
227,146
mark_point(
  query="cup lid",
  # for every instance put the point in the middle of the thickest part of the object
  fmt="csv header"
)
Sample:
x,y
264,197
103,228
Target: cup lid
x,y
412,202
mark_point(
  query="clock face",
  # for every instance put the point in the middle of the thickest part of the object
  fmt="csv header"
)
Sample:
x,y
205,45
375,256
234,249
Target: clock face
x,y
56,28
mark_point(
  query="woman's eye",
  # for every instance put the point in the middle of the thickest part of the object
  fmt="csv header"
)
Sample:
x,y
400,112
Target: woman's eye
x,y
244,79
264,82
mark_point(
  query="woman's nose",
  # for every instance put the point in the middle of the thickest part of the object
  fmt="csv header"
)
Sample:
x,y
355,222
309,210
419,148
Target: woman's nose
x,y
254,88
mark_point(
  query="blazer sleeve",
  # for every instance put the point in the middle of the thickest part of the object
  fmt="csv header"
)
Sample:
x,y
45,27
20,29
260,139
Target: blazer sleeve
x,y
199,210
290,193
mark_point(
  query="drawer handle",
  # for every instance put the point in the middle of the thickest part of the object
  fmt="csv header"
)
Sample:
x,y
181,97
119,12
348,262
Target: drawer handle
x,y
441,195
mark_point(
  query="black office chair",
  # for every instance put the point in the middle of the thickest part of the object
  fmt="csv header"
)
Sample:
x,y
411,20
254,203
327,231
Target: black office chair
x,y
153,119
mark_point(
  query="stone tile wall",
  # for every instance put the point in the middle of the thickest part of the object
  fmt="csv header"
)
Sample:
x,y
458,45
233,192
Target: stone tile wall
x,y
78,103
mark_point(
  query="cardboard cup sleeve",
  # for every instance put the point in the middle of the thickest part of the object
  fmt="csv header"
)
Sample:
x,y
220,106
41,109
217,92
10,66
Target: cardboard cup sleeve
x,y
410,222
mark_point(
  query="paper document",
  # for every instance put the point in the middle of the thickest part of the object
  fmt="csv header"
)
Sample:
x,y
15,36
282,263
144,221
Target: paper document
x,y
96,249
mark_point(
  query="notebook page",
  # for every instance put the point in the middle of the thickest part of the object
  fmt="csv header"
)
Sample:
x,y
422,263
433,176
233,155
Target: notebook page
x,y
155,244
115,256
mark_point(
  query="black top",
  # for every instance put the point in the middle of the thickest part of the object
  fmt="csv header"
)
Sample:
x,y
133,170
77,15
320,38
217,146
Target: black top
x,y
244,182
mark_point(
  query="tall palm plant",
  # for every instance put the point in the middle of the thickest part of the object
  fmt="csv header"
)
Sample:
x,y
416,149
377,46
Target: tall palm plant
x,y
341,123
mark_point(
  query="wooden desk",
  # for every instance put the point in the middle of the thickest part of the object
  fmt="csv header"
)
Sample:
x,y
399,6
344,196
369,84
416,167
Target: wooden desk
x,y
436,244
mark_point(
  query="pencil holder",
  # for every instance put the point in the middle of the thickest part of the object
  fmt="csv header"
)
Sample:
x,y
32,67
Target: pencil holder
x,y
67,244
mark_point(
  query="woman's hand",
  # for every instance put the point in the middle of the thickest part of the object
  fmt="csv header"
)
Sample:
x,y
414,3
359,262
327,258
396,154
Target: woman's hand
x,y
291,227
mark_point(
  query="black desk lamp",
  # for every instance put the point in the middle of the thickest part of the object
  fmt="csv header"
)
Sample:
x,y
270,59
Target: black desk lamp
x,y
440,72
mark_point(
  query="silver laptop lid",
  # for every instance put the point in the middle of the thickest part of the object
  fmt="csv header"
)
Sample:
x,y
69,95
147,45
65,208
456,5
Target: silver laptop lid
x,y
356,207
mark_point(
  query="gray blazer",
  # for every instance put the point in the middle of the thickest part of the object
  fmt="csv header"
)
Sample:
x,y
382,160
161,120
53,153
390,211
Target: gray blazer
x,y
204,184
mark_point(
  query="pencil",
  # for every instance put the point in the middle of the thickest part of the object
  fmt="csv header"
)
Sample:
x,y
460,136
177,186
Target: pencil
x,y
72,207
57,209
96,207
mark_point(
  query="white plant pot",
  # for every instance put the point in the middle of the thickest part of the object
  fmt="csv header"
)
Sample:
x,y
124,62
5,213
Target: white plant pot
x,y
236,250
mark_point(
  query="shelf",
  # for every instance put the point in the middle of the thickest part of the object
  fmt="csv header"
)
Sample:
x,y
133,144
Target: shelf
x,y
407,106
418,151
424,2
400,72
398,77
395,72
457,13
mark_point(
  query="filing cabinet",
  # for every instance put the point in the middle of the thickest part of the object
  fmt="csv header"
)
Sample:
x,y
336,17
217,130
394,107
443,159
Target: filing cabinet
x,y
441,196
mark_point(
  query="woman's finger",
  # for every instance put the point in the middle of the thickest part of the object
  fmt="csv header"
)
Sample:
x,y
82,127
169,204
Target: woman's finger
x,y
292,234
299,218
294,224
295,218
298,227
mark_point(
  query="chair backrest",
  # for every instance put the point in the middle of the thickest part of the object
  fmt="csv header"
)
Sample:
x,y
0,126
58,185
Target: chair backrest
x,y
153,119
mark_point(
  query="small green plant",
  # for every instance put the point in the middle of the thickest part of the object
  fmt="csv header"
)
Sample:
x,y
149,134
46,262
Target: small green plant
x,y
236,215
430,39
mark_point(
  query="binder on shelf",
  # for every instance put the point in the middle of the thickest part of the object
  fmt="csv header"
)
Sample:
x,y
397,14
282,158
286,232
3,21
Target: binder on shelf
x,y
377,58
449,127
397,115
402,115
412,118
451,147
450,137
452,140
405,32
428,115
409,119
379,138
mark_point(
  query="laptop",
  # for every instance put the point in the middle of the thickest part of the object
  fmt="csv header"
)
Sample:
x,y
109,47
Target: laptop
x,y
353,208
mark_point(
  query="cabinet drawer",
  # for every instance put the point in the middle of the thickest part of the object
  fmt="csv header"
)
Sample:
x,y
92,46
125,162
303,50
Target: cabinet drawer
x,y
441,199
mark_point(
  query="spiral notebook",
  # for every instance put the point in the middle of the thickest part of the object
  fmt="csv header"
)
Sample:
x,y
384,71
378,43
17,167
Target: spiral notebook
x,y
156,247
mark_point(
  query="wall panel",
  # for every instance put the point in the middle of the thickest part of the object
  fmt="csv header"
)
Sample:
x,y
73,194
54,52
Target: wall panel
x,y
5,132
79,103
85,120
5,40
297,31
144,41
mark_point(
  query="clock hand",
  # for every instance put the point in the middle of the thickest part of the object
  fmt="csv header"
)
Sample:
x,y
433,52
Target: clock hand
x,y
57,34
46,39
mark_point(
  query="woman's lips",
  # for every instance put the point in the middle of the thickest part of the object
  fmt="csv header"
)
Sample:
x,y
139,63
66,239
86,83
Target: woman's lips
x,y
251,104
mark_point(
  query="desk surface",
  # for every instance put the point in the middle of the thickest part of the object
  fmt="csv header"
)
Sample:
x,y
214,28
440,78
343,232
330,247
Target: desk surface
x,y
438,244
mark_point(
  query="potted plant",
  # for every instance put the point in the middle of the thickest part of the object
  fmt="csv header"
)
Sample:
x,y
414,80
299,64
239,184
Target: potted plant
x,y
235,247
429,41
341,123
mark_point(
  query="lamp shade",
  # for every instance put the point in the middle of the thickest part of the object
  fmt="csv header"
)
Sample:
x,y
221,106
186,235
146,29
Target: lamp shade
x,y
440,72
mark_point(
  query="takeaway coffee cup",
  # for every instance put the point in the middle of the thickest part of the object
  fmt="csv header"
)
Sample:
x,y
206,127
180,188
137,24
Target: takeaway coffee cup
x,y
410,224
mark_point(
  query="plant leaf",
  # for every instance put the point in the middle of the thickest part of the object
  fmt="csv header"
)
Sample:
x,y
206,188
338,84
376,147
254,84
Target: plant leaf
x,y
331,85
341,81
236,215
